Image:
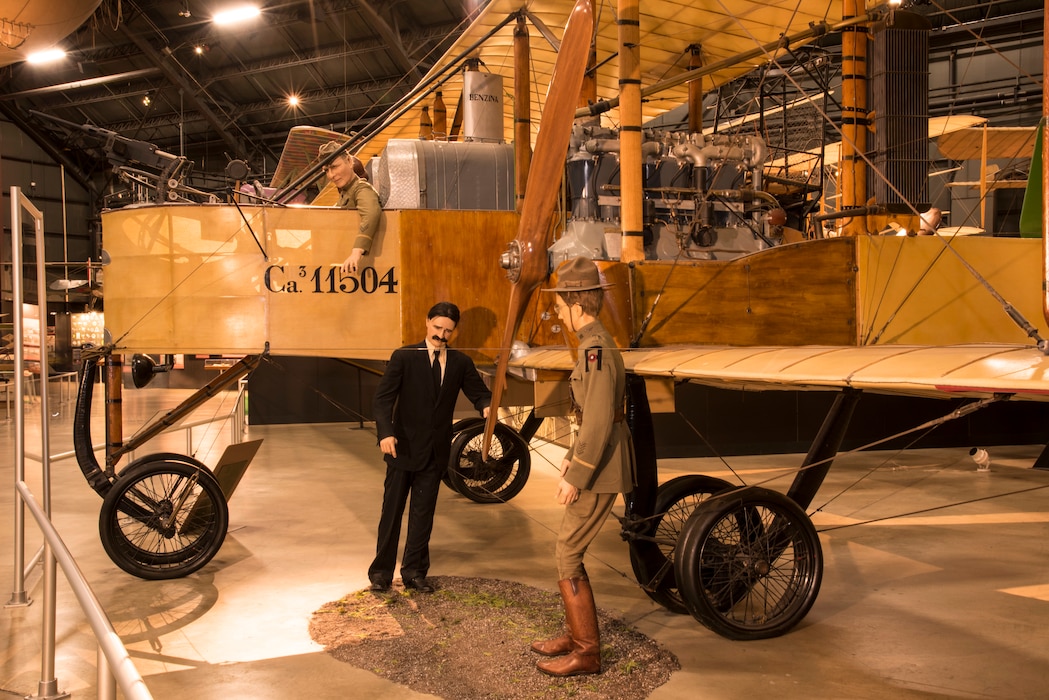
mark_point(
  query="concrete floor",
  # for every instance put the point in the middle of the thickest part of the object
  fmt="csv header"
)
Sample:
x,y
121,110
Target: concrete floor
x,y
949,602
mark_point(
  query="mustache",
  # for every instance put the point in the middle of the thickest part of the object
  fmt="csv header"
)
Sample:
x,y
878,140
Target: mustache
x,y
438,339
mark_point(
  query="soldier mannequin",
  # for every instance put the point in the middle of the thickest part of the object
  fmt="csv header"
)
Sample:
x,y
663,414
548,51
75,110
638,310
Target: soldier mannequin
x,y
597,468
354,193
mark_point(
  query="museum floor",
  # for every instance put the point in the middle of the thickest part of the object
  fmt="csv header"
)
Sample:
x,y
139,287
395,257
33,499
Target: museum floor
x,y
947,602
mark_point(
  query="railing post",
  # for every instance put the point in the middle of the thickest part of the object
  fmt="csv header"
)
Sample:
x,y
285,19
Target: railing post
x,y
47,687
19,597
106,683
48,684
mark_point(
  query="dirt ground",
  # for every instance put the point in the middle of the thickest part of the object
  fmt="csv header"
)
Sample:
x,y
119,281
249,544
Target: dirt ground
x,y
469,640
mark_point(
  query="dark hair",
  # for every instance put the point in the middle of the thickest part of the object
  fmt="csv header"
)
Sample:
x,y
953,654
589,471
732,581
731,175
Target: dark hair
x,y
446,309
590,300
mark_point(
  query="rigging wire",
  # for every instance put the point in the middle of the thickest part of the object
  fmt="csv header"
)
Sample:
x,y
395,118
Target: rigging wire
x,y
981,499
1013,313
867,340
923,428
206,258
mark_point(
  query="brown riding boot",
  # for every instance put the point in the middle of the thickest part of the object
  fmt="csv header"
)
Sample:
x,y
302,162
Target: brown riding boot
x,y
563,644
553,647
581,614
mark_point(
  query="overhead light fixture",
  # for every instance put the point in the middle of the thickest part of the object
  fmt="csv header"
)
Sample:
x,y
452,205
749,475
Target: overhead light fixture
x,y
200,49
237,14
47,56
146,100
293,100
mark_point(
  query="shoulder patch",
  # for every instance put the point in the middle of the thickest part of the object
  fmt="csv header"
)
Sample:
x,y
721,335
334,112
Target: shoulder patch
x,y
593,358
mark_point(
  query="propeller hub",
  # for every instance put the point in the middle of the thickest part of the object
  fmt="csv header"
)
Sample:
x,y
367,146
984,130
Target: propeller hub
x,y
511,260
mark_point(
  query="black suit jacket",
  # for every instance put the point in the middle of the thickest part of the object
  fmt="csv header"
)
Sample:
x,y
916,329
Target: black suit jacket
x,y
405,405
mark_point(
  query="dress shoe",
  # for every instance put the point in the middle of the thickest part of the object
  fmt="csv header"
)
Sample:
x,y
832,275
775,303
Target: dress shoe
x,y
419,583
379,585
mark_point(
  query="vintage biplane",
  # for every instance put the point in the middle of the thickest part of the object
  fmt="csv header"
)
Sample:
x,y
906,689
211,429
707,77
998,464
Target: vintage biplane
x,y
732,268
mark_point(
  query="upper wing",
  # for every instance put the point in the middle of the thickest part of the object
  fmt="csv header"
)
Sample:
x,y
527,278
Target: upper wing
x,y
301,150
1003,142
668,29
947,371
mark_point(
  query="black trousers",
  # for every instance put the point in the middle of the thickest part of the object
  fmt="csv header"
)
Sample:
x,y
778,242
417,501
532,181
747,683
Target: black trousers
x,y
423,487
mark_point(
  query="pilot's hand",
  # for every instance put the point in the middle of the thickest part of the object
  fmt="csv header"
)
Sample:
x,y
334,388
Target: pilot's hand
x,y
566,493
351,264
388,445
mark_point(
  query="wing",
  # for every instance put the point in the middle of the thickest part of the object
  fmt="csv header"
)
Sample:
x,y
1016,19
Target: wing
x,y
668,29
300,151
948,371
1002,142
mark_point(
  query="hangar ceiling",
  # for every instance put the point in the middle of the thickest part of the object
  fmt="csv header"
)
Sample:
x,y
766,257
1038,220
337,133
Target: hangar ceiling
x,y
164,73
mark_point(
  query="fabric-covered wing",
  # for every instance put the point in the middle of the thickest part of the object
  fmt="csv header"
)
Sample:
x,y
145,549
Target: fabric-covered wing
x,y
950,371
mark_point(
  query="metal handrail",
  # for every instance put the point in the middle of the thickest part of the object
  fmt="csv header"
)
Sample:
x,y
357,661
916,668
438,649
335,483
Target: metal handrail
x,y
112,649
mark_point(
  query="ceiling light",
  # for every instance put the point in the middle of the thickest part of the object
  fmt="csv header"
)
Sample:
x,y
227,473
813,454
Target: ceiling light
x,y
199,49
237,14
146,100
46,56
293,100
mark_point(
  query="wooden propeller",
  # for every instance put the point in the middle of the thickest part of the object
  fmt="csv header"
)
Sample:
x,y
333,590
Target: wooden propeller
x,y
544,181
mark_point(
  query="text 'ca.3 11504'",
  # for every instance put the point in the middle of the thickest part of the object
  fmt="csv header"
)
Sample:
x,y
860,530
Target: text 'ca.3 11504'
x,y
301,279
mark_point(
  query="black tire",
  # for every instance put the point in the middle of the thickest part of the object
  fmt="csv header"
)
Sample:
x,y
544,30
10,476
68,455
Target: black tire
x,y
749,564
676,500
497,479
165,517
457,428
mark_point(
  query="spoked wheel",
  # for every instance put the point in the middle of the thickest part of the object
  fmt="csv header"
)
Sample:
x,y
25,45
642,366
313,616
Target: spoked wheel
x,y
165,517
749,564
652,555
496,479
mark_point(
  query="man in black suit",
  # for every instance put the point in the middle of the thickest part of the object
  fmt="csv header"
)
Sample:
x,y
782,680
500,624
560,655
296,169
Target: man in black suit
x,y
413,409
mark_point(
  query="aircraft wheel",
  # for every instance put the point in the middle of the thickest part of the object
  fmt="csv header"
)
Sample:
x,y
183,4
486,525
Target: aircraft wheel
x,y
445,479
457,428
164,517
496,479
676,500
749,564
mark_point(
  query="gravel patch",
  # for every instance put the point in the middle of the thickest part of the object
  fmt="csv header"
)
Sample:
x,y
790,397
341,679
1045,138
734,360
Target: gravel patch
x,y
469,641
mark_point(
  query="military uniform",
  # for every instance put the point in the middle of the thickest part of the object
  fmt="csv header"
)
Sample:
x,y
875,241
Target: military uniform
x,y
360,195
602,454
598,466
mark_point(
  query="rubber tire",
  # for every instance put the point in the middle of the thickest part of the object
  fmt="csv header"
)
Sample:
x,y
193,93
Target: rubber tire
x,y
496,480
457,428
749,564
676,500
143,493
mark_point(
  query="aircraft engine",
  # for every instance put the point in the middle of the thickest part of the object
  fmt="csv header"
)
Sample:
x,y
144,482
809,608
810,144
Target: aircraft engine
x,y
703,196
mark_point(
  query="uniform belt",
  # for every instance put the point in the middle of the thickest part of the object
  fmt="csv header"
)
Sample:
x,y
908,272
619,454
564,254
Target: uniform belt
x,y
619,417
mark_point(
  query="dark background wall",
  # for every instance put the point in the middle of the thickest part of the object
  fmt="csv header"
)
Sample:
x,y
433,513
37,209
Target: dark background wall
x,y
311,390
712,422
